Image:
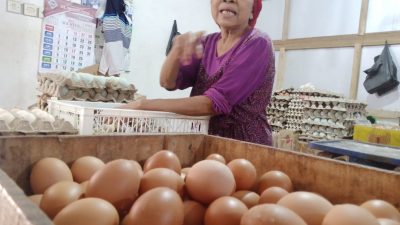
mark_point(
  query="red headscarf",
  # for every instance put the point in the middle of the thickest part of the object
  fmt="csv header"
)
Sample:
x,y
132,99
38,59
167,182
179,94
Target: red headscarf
x,y
256,11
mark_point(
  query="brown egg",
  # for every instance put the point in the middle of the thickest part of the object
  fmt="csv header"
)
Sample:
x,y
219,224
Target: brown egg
x,y
193,213
311,207
249,198
271,214
88,211
382,209
140,169
383,221
158,206
47,172
348,214
208,180
274,179
244,172
59,195
161,177
217,157
36,199
225,210
272,195
83,168
84,187
163,159
185,194
117,182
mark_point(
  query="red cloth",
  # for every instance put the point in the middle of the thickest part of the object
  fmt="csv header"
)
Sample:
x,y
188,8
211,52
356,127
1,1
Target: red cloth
x,y
257,6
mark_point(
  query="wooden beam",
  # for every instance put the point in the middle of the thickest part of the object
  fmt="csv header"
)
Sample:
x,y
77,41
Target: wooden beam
x,y
286,17
340,41
355,71
281,69
280,75
362,27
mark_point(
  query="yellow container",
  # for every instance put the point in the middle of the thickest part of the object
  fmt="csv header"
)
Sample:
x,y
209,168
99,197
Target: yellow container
x,y
378,135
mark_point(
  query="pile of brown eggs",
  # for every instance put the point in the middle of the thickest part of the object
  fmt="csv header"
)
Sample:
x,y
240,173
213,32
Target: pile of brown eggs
x,y
210,192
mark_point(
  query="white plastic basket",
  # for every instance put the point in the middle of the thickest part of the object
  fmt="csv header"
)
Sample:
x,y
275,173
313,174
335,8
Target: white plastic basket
x,y
105,118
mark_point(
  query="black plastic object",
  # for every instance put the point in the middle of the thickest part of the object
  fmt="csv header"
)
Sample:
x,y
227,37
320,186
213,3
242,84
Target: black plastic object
x,y
382,76
174,32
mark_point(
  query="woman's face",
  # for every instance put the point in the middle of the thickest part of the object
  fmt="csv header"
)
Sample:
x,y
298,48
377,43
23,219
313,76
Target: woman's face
x,y
232,13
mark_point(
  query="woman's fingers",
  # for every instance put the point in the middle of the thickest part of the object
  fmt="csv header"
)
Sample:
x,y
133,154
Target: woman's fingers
x,y
191,46
188,48
199,46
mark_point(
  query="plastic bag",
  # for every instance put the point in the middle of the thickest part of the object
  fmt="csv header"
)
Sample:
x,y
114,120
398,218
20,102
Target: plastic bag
x,y
382,76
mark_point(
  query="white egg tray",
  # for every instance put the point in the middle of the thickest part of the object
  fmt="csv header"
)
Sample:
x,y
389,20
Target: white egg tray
x,y
86,87
15,122
92,118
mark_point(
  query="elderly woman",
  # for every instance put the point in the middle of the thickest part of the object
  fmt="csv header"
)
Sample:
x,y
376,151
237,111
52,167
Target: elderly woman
x,y
231,72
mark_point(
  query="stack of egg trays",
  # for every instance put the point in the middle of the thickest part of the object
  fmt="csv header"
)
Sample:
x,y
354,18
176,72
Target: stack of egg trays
x,y
276,111
18,125
86,87
331,118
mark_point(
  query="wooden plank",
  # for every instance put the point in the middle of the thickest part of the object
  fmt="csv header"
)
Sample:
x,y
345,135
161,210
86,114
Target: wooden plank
x,y
355,74
379,38
16,208
186,147
340,182
363,17
339,41
281,69
286,18
28,150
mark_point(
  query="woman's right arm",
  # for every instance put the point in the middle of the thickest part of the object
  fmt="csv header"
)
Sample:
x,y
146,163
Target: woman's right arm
x,y
183,49
169,70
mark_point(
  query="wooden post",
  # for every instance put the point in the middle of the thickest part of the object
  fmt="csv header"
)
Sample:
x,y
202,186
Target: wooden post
x,y
286,17
281,69
355,76
280,76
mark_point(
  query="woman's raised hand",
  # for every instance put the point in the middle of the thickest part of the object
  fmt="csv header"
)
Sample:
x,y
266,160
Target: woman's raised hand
x,y
187,45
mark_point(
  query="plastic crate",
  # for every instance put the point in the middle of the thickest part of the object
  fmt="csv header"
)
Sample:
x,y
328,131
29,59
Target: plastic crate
x,y
104,118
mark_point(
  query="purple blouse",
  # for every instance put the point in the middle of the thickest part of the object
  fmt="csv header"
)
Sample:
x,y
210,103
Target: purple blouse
x,y
239,84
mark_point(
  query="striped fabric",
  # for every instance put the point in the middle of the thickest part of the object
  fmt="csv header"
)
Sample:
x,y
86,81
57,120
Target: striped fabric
x,y
117,31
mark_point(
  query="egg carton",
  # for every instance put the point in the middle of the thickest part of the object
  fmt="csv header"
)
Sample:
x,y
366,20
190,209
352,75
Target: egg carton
x,y
283,92
82,86
329,123
285,98
278,108
333,131
293,127
36,121
316,93
334,103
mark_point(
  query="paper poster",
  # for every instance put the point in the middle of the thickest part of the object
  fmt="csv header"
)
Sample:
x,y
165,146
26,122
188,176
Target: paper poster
x,y
68,36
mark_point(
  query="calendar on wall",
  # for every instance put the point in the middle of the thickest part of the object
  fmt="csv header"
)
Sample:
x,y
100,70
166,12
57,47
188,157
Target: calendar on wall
x,y
68,36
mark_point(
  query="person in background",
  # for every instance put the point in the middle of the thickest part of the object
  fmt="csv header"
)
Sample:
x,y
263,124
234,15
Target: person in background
x,y
231,74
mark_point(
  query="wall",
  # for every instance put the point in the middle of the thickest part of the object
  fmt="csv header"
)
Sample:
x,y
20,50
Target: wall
x,y
19,45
